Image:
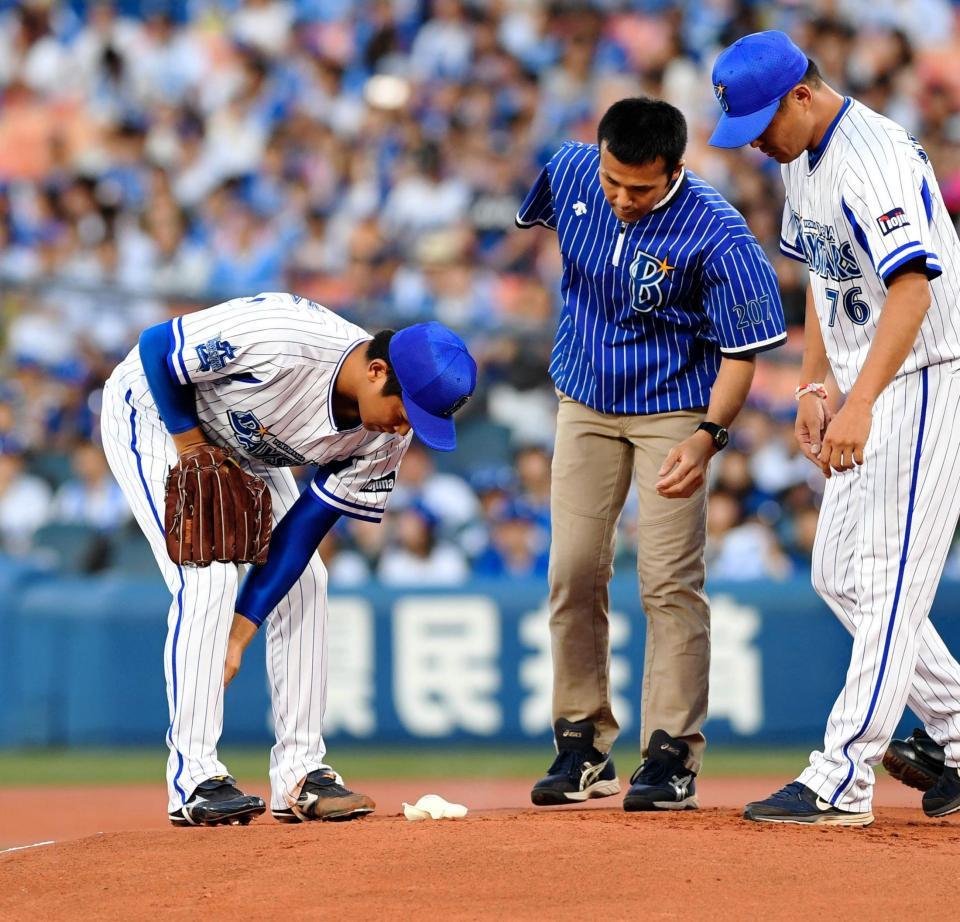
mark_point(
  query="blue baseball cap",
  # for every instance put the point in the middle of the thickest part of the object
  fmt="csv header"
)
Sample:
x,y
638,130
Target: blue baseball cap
x,y
749,79
437,375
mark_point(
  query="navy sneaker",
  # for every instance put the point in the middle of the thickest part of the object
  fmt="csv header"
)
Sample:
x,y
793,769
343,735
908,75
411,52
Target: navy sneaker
x,y
218,802
916,762
579,771
663,782
944,796
796,803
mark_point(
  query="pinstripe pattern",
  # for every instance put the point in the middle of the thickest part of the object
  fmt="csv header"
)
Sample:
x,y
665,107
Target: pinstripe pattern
x,y
869,167
882,540
288,353
279,356
861,205
202,606
134,438
296,662
650,307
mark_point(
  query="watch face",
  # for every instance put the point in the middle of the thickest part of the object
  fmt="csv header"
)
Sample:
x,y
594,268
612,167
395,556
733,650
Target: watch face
x,y
721,438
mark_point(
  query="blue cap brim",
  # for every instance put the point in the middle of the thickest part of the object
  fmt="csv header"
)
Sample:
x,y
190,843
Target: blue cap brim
x,y
436,432
735,131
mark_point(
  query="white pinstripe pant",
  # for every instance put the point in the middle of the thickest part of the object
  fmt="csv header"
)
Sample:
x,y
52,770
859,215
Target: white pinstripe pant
x,y
882,540
140,452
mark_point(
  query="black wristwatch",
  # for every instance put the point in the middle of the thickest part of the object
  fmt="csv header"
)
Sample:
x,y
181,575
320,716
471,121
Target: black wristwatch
x,y
719,435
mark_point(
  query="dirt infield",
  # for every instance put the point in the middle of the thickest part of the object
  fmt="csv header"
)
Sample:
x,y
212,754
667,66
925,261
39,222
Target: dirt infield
x,y
504,861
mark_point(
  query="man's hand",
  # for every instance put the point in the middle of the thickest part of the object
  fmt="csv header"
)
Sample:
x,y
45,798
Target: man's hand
x,y
684,470
241,633
846,436
813,417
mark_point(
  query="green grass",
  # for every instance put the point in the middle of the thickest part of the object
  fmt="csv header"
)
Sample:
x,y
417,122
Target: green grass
x,y
113,766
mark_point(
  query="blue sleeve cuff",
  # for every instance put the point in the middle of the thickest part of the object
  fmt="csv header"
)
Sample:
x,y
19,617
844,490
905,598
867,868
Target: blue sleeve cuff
x,y
908,253
791,251
537,207
342,506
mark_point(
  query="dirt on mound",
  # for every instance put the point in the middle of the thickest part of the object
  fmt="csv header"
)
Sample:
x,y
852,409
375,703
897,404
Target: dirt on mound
x,y
513,863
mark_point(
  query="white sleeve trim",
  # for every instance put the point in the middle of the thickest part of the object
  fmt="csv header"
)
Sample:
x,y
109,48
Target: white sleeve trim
x,y
752,347
344,507
177,363
521,223
901,255
791,251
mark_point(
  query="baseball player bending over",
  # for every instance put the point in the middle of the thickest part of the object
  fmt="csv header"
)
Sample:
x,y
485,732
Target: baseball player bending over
x,y
864,212
229,398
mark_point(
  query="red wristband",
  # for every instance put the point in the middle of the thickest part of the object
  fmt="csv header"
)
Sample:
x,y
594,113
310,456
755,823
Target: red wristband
x,y
814,388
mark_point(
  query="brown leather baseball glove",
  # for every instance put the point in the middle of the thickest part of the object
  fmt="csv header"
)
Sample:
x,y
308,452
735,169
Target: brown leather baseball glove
x,y
215,510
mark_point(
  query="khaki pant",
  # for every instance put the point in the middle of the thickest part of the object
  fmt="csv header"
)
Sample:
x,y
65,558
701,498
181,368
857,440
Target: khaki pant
x,y
593,461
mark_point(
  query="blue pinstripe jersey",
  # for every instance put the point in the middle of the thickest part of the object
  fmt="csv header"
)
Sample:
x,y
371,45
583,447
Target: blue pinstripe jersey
x,y
650,307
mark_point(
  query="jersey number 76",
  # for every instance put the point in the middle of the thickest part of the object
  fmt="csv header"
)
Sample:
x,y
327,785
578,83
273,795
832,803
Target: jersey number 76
x,y
858,311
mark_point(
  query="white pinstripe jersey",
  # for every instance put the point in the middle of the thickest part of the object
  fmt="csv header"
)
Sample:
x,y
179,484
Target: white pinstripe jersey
x,y
859,207
263,369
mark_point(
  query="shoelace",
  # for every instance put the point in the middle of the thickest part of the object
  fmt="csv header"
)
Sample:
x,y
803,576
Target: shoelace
x,y
568,762
789,793
654,771
326,781
224,790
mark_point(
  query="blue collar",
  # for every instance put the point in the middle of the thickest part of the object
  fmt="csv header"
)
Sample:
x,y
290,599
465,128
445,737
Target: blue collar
x,y
813,156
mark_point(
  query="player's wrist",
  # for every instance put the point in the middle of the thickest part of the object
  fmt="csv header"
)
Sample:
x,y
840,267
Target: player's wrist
x,y
860,401
189,440
242,630
811,389
716,436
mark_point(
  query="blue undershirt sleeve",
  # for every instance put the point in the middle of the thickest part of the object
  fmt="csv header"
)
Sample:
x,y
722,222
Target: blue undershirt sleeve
x,y
175,401
294,540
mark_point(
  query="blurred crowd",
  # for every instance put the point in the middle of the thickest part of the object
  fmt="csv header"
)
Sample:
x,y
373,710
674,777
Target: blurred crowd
x,y
371,154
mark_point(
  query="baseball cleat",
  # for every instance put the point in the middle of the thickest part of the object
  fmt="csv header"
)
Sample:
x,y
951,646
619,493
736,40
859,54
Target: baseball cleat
x,y
663,781
579,772
218,802
944,797
323,797
916,762
796,803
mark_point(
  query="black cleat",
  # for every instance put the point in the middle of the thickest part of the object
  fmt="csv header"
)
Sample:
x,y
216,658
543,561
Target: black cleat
x,y
916,762
944,797
218,802
663,782
579,772
323,797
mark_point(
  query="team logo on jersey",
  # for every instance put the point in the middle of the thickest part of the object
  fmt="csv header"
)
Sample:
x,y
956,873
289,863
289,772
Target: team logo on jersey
x,y
380,485
824,255
214,353
721,93
579,209
647,275
257,441
894,219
